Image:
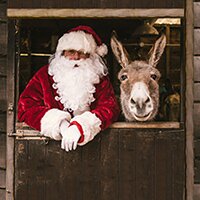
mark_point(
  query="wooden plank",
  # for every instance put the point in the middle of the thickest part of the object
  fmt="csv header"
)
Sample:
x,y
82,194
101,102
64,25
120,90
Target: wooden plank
x,y
22,170
3,194
197,148
196,14
10,115
3,64
58,4
196,191
196,41
3,7
197,171
90,169
178,168
65,4
197,92
109,165
148,4
2,151
107,4
72,174
125,4
196,120
3,38
163,162
23,128
3,96
37,164
2,178
127,164
54,171
169,174
197,68
145,165
189,121
146,125
93,13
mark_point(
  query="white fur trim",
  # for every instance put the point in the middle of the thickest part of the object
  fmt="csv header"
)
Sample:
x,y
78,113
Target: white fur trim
x,y
102,50
50,123
78,40
90,124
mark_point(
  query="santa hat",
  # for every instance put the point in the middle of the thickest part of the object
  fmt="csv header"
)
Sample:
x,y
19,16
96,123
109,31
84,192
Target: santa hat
x,y
82,38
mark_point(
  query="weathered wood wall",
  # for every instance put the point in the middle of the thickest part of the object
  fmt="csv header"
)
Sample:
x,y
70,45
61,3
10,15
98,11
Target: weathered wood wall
x,y
197,90
135,164
3,56
95,4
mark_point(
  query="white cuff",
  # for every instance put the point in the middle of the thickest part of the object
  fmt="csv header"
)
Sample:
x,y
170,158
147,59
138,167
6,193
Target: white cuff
x,y
50,122
90,124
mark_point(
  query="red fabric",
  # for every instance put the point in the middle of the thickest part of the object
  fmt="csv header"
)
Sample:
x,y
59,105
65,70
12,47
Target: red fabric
x,y
80,130
39,97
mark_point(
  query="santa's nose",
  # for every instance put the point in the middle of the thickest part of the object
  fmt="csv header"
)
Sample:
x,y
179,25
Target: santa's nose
x,y
76,56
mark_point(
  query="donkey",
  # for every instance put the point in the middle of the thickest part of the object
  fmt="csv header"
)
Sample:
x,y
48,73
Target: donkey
x,y
139,81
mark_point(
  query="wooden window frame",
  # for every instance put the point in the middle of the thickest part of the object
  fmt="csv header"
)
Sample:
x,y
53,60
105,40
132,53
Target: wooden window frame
x,y
98,13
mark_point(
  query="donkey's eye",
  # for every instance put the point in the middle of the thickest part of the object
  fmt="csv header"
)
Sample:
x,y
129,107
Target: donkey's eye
x,y
153,76
123,77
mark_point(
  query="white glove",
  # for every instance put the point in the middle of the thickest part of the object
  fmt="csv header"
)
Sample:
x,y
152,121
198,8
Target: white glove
x,y
70,136
54,134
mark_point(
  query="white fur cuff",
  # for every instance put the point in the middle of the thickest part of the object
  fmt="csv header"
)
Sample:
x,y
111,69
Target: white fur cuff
x,y
50,123
90,124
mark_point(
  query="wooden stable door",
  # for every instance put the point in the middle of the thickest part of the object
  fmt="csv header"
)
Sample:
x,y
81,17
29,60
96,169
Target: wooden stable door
x,y
123,164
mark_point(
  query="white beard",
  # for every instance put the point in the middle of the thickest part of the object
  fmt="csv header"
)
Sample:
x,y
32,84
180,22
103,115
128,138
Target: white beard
x,y
75,80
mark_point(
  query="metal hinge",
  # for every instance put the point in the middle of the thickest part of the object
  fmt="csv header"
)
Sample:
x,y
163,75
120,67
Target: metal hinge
x,y
10,108
23,135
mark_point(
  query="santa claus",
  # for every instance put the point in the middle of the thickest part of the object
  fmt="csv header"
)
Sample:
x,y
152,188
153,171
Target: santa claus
x,y
71,99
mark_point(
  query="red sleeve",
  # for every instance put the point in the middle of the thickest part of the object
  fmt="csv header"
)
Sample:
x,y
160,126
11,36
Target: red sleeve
x,y
105,106
31,106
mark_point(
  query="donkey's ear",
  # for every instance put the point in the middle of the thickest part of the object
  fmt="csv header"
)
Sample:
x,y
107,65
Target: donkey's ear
x,y
119,51
157,50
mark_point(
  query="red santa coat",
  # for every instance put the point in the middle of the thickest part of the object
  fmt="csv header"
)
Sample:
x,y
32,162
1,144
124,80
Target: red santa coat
x,y
39,108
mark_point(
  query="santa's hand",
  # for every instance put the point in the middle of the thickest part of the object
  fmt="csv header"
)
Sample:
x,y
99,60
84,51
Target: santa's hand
x,y
70,139
63,127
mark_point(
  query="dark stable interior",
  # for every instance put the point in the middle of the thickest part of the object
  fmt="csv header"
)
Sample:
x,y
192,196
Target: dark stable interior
x,y
38,40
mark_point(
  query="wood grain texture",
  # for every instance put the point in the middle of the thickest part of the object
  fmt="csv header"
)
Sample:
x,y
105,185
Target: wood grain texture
x,y
196,41
196,120
2,150
197,68
197,92
117,164
2,178
3,7
189,121
93,13
3,39
3,194
196,14
95,4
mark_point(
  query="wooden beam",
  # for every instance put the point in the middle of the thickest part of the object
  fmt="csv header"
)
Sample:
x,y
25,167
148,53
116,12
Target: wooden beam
x,y
189,99
10,113
146,125
93,13
21,126
24,132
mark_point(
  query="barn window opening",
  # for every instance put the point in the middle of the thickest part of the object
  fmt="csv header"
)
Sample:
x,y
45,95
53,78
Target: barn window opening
x,y
37,40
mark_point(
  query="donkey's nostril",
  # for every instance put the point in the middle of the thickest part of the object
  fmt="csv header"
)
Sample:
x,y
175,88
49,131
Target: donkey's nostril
x,y
132,101
148,100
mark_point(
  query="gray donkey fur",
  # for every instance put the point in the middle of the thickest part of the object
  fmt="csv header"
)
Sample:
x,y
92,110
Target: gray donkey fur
x,y
139,81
